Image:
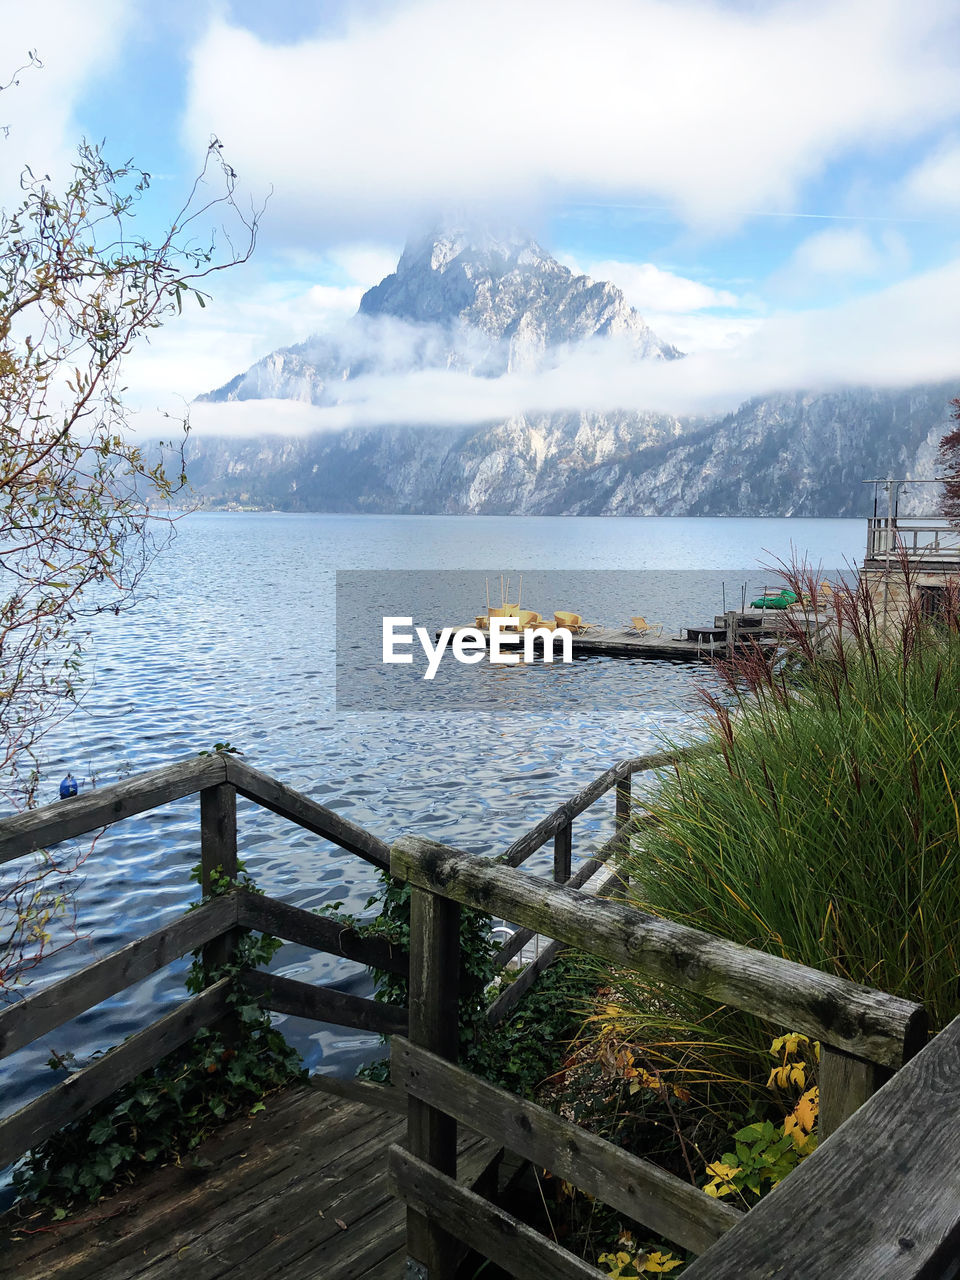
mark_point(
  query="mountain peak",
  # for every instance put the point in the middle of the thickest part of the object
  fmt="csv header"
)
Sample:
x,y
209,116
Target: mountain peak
x,y
510,289
446,243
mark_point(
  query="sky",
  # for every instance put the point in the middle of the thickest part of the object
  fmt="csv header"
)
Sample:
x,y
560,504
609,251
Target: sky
x,y
775,186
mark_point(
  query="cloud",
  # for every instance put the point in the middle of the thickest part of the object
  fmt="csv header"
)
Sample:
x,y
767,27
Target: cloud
x,y
650,289
898,336
249,316
840,254
935,183
841,251
716,109
75,43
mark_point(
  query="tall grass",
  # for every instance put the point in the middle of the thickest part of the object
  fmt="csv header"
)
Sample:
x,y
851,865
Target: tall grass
x,y
826,828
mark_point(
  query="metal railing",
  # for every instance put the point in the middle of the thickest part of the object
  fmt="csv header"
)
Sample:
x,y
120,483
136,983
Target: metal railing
x,y
920,538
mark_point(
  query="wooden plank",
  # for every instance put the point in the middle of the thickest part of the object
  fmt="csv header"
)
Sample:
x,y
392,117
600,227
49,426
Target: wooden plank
x,y
492,1232
880,1198
881,1028
381,1097
49,825
278,798
658,1200
293,924
84,1089
434,1024
323,1004
56,1004
218,861
171,1206
538,836
510,996
845,1085
563,854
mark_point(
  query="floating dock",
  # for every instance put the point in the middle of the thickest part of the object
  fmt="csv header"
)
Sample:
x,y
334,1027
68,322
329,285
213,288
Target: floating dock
x,y
701,643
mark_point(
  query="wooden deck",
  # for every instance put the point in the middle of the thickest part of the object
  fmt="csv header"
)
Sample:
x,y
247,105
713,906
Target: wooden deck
x,y
764,627
298,1191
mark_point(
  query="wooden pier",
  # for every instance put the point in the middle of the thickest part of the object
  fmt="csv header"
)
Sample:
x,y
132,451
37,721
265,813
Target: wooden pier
x,y
329,1183
701,643
299,1191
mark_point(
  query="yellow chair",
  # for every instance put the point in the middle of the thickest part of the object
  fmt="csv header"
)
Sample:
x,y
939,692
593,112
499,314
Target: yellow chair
x,y
645,628
528,618
571,621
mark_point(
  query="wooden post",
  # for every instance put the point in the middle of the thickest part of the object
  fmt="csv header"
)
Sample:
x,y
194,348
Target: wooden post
x,y
846,1083
434,1024
563,854
730,617
622,821
623,802
218,857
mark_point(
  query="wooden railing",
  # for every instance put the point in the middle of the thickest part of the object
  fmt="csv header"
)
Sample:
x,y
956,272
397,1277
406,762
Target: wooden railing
x,y
215,926
559,825
919,538
864,1034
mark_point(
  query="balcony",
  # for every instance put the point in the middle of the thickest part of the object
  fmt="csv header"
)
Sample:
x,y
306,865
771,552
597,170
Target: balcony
x,y
925,540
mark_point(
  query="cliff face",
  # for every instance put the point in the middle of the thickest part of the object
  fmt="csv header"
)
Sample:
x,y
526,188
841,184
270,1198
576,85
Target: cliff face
x,y
783,455
488,306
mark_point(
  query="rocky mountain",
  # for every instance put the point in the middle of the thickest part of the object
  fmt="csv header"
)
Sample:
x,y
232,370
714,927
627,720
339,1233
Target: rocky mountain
x,y
801,455
457,300
488,306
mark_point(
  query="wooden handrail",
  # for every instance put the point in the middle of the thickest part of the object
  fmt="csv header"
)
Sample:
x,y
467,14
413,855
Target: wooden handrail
x,y
300,809
51,823
519,1250
293,924
858,1020
83,1089
56,1004
518,940
646,1193
324,1004
880,1199
564,813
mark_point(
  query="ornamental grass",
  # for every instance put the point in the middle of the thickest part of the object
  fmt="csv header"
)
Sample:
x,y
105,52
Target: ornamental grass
x,y
826,826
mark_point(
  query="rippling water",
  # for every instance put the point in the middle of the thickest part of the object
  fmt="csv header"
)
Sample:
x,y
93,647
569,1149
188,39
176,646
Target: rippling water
x,y
235,641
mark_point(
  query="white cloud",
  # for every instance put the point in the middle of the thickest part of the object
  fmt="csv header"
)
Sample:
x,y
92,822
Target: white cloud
x,y
717,109
898,336
935,183
842,251
697,332
202,349
840,254
75,42
248,317
365,264
650,289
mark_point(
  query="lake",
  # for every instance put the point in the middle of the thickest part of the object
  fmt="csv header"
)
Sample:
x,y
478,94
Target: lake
x,y
234,639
